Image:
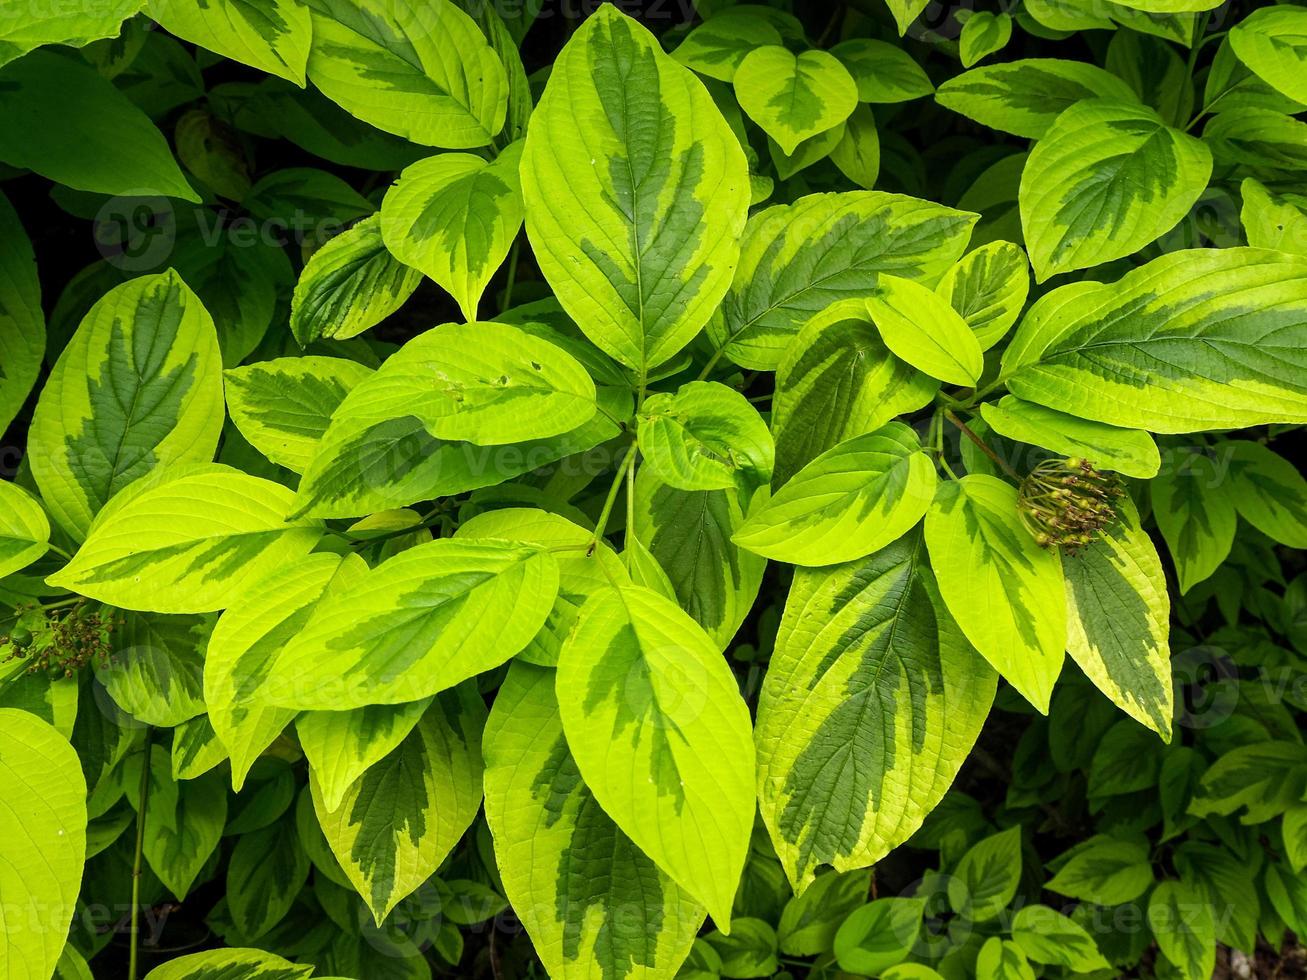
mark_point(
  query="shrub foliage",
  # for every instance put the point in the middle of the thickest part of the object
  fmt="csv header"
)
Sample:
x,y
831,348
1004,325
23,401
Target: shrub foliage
x,y
515,491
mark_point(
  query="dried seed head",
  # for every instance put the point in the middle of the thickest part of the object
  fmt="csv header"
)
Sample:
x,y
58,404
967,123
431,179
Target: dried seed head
x,y
1066,503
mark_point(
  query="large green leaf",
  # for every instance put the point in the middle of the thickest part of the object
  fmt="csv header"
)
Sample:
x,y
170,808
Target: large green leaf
x,y
24,529
986,879
661,735
636,192
884,72
1128,451
585,566
43,824
454,216
794,97
364,465
230,964
417,624
183,819
1005,591
342,745
349,285
1025,97
1118,619
283,406
421,70
272,35
921,328
1272,42
24,27
1201,339
988,289
717,46
1107,178
245,643
190,538
837,380
1195,511
798,259
705,437
139,385
688,534
593,903
399,820
850,501
102,143
22,324
869,706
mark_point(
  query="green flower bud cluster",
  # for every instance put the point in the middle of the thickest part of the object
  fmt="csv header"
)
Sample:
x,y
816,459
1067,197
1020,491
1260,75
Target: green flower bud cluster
x,y
60,641
1066,503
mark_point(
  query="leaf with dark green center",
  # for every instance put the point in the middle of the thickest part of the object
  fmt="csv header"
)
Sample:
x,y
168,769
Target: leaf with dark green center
x,y
424,71
138,386
417,624
1201,339
870,704
794,97
454,216
662,738
1106,179
399,820
593,903
1025,97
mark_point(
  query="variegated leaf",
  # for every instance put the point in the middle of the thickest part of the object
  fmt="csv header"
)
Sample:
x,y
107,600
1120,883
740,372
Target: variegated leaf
x,y
399,820
245,643
1269,492
421,70
1106,179
850,501
190,538
688,535
634,216
24,529
871,703
793,97
1195,511
661,736
593,903
342,745
798,259
282,407
1201,339
271,35
706,436
1118,620
349,285
1025,97
139,385
988,289
837,380
417,624
454,216
1006,593
1272,41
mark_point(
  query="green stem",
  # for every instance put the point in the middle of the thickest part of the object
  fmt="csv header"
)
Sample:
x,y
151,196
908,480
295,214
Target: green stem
x,y
144,797
512,272
627,462
59,551
966,431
